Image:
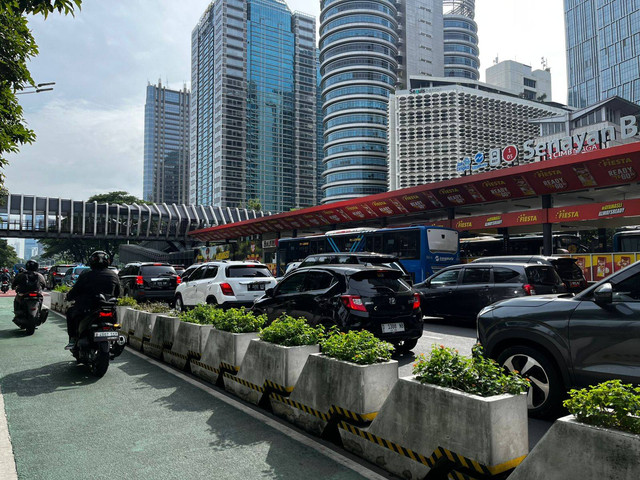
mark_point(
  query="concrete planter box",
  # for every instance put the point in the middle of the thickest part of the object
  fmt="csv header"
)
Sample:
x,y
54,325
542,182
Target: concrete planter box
x,y
430,421
571,450
162,336
267,368
121,310
56,300
128,322
142,330
188,344
333,389
223,352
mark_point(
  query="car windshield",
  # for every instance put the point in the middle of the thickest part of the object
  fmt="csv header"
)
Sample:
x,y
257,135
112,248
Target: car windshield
x,y
543,275
157,271
250,271
78,271
373,283
569,270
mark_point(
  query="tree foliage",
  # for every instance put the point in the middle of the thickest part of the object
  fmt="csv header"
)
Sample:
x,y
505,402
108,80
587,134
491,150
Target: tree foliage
x,y
8,254
78,250
17,47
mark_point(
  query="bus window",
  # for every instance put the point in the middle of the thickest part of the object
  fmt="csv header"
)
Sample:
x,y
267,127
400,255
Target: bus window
x,y
403,244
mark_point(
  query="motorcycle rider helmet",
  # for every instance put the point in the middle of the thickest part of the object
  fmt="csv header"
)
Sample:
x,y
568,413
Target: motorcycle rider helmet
x,y
31,266
98,259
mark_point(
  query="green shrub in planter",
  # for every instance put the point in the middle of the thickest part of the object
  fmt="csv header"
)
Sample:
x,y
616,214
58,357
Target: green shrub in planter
x,y
478,375
291,332
610,405
127,302
201,314
357,346
157,307
62,288
239,320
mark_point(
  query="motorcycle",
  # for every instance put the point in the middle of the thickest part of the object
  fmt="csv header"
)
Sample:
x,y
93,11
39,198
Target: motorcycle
x,y
5,286
30,313
99,341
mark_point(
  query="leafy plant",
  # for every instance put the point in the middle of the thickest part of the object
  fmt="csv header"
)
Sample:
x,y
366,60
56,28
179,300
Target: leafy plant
x,y
127,302
201,314
234,320
291,332
610,404
356,346
156,307
62,288
478,375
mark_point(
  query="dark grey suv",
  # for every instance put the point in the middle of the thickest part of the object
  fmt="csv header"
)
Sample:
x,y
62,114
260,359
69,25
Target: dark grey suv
x,y
561,342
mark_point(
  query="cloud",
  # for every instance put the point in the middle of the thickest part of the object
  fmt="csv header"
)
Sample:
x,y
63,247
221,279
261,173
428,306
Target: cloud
x,y
82,149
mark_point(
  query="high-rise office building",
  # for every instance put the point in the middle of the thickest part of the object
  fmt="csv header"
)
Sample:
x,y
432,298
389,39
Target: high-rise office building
x,y
166,145
368,49
603,50
253,108
521,80
461,40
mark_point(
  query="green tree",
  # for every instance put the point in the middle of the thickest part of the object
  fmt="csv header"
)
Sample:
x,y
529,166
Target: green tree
x,y
17,47
80,249
254,204
8,255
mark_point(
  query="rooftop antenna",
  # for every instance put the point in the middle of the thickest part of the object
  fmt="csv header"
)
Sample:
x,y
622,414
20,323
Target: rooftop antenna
x,y
496,60
545,63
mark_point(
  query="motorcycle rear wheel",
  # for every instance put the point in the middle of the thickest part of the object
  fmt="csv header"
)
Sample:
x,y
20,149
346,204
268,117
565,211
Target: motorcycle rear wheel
x,y
101,365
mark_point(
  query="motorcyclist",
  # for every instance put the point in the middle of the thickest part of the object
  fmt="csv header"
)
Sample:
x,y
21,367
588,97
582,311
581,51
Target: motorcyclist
x,y
27,281
4,276
89,285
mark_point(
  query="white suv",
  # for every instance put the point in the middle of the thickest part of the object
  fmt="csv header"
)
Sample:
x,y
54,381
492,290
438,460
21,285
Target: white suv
x,y
224,283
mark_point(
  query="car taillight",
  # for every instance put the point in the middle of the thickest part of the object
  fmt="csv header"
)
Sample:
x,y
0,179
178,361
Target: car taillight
x,y
139,280
33,294
178,280
105,314
226,289
353,302
416,301
529,289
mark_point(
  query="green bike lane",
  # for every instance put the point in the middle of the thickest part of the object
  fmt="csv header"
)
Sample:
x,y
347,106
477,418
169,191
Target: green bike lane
x,y
139,421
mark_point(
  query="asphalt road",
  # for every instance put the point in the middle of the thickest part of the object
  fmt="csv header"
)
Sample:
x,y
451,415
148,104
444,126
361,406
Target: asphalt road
x,y
140,421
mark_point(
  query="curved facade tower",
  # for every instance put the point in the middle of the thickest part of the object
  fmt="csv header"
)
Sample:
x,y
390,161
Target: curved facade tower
x,y
358,62
461,54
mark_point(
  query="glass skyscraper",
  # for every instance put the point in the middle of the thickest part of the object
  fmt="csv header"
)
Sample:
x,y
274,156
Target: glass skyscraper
x,y
253,131
461,54
603,50
166,145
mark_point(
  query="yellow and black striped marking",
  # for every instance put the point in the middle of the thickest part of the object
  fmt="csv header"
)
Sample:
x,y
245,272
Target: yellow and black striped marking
x,y
133,337
268,384
458,460
229,368
167,345
154,346
131,332
205,366
179,355
242,381
333,411
194,355
146,338
278,388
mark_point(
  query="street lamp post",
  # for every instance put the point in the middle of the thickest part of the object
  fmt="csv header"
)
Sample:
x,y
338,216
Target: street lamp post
x,y
37,88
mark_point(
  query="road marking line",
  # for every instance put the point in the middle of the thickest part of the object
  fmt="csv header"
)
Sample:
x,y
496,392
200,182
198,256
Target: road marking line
x,y
434,338
7,460
327,452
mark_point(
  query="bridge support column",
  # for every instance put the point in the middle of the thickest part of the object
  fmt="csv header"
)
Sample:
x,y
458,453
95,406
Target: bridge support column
x,y
547,228
505,239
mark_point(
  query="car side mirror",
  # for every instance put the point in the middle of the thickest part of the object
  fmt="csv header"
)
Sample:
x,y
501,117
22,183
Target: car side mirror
x,y
269,292
603,295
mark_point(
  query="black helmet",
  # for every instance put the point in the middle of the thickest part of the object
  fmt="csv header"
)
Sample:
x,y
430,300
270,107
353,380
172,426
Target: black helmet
x,y
98,259
31,266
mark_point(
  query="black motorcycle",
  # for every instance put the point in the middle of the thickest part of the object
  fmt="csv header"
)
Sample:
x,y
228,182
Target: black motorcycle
x,y
99,341
29,313
5,286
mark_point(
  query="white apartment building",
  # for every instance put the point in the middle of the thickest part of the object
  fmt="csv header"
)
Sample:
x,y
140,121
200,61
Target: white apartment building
x,y
441,121
519,79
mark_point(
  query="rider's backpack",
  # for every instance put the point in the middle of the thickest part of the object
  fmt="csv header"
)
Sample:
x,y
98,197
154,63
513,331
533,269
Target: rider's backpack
x,y
31,282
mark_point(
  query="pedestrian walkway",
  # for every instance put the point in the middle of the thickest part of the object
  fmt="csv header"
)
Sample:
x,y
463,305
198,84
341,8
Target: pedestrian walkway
x,y
140,421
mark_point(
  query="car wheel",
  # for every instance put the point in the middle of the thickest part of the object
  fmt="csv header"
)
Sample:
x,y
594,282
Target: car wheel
x,y
212,301
546,391
179,304
405,346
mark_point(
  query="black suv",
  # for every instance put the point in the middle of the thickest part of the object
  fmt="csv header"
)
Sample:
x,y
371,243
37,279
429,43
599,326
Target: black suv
x,y
353,297
563,342
461,291
56,274
569,271
361,258
148,282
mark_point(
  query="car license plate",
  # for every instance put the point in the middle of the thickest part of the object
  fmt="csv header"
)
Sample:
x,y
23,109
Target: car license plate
x,y
105,335
256,286
574,284
392,327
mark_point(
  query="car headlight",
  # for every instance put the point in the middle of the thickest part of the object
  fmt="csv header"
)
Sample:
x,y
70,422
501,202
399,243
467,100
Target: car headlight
x,y
487,309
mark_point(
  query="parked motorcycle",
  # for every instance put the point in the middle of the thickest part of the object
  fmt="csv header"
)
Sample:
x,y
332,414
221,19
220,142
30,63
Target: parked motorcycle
x,y
5,286
30,313
99,341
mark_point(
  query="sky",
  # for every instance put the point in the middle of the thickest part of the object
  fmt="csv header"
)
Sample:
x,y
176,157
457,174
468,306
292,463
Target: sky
x,y
90,127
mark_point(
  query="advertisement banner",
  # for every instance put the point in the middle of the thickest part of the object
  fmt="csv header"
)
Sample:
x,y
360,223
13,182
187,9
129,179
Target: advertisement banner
x,y
595,211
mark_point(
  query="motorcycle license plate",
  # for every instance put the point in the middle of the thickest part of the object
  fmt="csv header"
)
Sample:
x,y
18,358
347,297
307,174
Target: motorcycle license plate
x,y
392,327
105,335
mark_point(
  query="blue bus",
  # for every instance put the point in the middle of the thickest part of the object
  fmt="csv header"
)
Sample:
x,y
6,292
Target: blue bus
x,y
422,250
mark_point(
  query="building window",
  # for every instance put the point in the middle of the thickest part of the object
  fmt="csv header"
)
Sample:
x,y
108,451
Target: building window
x,y
529,83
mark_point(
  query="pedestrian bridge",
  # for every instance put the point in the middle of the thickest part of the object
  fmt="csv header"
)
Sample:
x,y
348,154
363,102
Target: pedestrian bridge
x,y
28,216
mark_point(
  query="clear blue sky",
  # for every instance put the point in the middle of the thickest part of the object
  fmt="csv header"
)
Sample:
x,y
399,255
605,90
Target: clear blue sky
x,y
90,128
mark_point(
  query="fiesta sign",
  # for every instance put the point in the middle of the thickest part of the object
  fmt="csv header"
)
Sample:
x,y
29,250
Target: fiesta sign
x,y
557,148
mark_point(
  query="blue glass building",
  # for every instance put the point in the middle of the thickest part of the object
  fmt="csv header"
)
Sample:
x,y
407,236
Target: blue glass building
x,y
166,145
253,133
603,50
461,53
